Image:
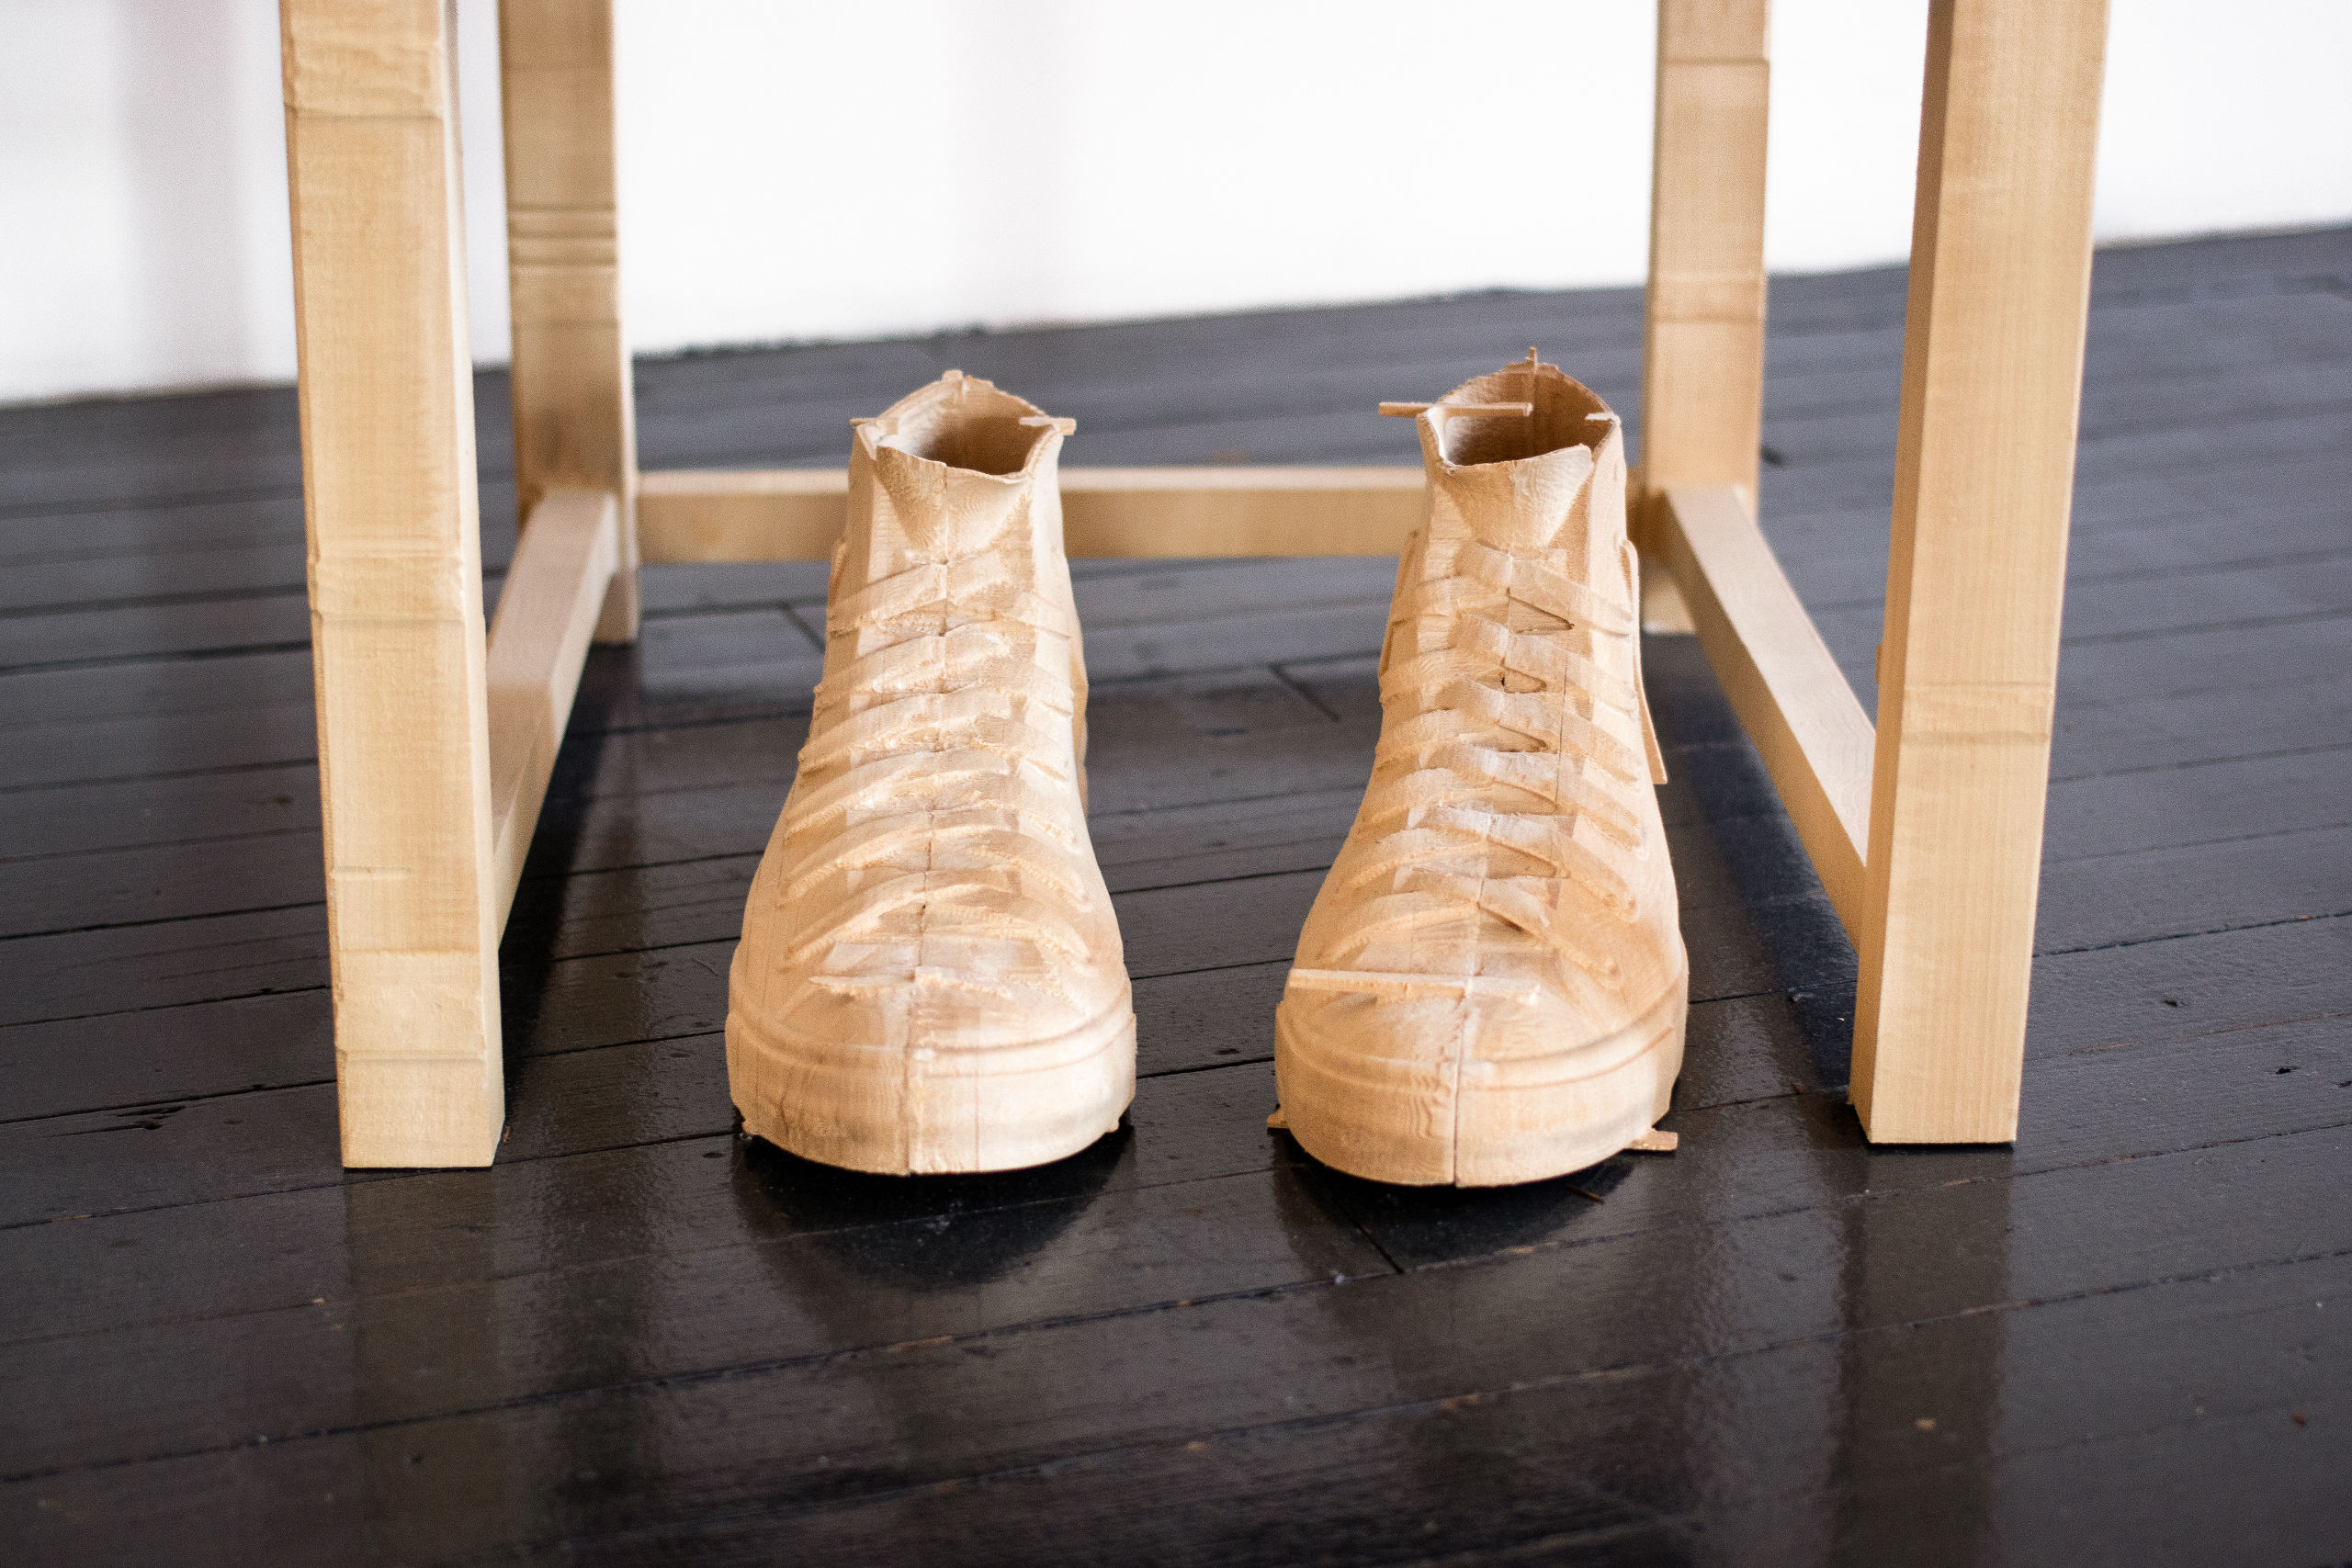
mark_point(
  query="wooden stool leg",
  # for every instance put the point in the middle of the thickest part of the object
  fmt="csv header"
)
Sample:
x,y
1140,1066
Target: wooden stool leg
x,y
1992,381
575,422
395,570
1702,362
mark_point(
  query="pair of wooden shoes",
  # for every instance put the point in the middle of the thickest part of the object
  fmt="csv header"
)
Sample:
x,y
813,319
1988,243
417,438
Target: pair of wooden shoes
x,y
1490,987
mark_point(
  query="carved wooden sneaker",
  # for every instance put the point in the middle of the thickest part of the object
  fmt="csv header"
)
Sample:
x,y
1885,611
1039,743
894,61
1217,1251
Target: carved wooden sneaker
x,y
1491,985
930,976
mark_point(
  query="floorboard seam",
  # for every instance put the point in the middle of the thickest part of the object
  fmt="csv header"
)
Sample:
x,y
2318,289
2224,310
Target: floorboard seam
x,y
155,601
1305,696
161,656
167,1006
225,769
41,511
2198,628
159,846
2095,857
2183,764
2227,563
367,1175
318,903
2071,704
162,1103
2250,1028
1202,1067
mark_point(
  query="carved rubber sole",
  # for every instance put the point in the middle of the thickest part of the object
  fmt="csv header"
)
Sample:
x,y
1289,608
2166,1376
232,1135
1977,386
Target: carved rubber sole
x,y
905,1110
1475,1123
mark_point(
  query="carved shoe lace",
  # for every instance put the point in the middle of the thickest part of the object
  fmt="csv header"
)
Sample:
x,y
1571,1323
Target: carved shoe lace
x,y
930,977
1491,985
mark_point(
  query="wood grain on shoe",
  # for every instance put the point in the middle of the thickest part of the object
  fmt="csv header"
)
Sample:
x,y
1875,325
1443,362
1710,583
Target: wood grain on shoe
x,y
1490,987
930,977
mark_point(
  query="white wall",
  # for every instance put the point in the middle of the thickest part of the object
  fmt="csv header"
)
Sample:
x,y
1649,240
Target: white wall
x,y
798,170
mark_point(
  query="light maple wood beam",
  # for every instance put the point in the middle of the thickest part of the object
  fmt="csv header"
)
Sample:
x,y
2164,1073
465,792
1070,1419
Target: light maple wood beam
x,y
1789,695
1240,512
739,514
546,615
395,578
1984,461
1703,350
796,514
575,414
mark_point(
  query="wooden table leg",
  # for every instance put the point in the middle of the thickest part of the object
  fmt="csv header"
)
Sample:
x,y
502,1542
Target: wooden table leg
x,y
1702,358
395,572
575,422
1992,381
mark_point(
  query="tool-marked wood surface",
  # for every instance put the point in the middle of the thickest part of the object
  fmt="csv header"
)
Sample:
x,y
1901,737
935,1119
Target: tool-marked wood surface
x,y
716,514
395,581
575,412
1795,706
1491,985
1984,482
562,573
1702,368
929,980
634,1337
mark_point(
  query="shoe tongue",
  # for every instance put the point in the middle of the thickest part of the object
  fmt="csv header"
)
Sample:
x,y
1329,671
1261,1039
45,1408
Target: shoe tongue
x,y
1525,504
947,512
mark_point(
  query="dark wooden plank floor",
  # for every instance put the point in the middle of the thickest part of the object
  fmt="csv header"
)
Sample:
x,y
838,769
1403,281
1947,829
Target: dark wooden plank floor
x,y
2126,1339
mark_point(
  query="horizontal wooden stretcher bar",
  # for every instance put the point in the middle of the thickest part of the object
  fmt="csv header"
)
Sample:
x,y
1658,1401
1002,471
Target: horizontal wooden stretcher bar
x,y
689,514
547,614
1791,699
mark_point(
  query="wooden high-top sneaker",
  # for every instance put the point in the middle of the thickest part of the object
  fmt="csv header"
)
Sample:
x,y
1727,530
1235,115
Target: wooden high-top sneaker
x,y
1491,985
930,976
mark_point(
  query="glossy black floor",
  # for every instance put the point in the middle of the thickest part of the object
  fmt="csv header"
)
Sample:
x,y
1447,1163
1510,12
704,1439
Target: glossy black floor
x,y
2128,1339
